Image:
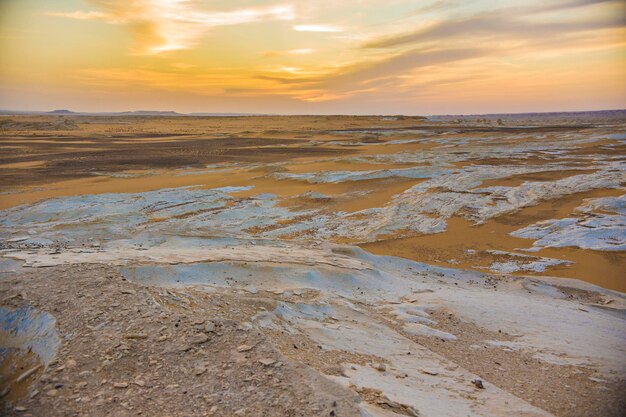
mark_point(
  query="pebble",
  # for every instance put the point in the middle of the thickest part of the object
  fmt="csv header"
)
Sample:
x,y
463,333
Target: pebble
x,y
267,361
430,372
380,367
20,409
209,327
52,393
244,348
199,370
478,383
136,336
27,373
120,385
199,338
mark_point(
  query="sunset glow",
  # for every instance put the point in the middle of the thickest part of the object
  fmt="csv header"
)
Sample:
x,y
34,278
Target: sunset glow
x,y
355,57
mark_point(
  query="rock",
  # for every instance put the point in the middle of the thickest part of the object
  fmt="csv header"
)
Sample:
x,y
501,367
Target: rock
x,y
139,382
71,363
199,338
380,367
267,361
120,385
245,326
430,372
478,383
209,327
127,291
27,373
199,370
136,336
20,409
244,348
52,393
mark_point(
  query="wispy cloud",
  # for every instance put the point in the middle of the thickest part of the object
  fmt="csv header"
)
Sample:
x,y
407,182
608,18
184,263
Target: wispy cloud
x,y
494,25
318,28
299,51
168,25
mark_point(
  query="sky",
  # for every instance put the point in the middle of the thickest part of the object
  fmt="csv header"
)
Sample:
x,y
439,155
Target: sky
x,y
313,56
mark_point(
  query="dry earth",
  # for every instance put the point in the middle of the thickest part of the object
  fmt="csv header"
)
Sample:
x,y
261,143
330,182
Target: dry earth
x,y
211,266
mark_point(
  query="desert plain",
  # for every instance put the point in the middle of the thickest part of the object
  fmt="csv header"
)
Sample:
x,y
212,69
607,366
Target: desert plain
x,y
313,265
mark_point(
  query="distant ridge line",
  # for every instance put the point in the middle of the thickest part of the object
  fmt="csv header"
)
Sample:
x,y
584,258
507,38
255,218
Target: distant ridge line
x,y
171,113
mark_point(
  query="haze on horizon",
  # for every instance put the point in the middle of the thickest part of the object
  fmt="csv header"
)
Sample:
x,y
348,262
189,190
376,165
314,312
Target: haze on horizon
x,y
321,57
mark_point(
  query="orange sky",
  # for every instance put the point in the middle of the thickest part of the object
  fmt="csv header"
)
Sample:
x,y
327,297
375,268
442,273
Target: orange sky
x,y
349,56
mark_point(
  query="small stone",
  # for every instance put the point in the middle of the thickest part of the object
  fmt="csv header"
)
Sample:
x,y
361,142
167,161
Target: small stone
x,y
245,326
199,370
120,385
139,382
71,363
380,367
52,393
209,327
136,336
20,409
244,348
478,383
430,372
267,361
199,338
127,291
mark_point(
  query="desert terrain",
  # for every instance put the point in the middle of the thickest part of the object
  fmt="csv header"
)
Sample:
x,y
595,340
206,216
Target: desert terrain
x,y
313,265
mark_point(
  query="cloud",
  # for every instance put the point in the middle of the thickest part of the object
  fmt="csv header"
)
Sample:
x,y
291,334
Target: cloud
x,y
516,23
317,28
168,25
78,15
300,51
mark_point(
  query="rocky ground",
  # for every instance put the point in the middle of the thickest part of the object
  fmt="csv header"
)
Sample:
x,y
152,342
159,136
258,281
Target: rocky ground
x,y
132,350
128,349
313,266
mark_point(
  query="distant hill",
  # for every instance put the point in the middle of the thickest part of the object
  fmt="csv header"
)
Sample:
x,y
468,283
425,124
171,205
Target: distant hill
x,y
145,113
61,112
